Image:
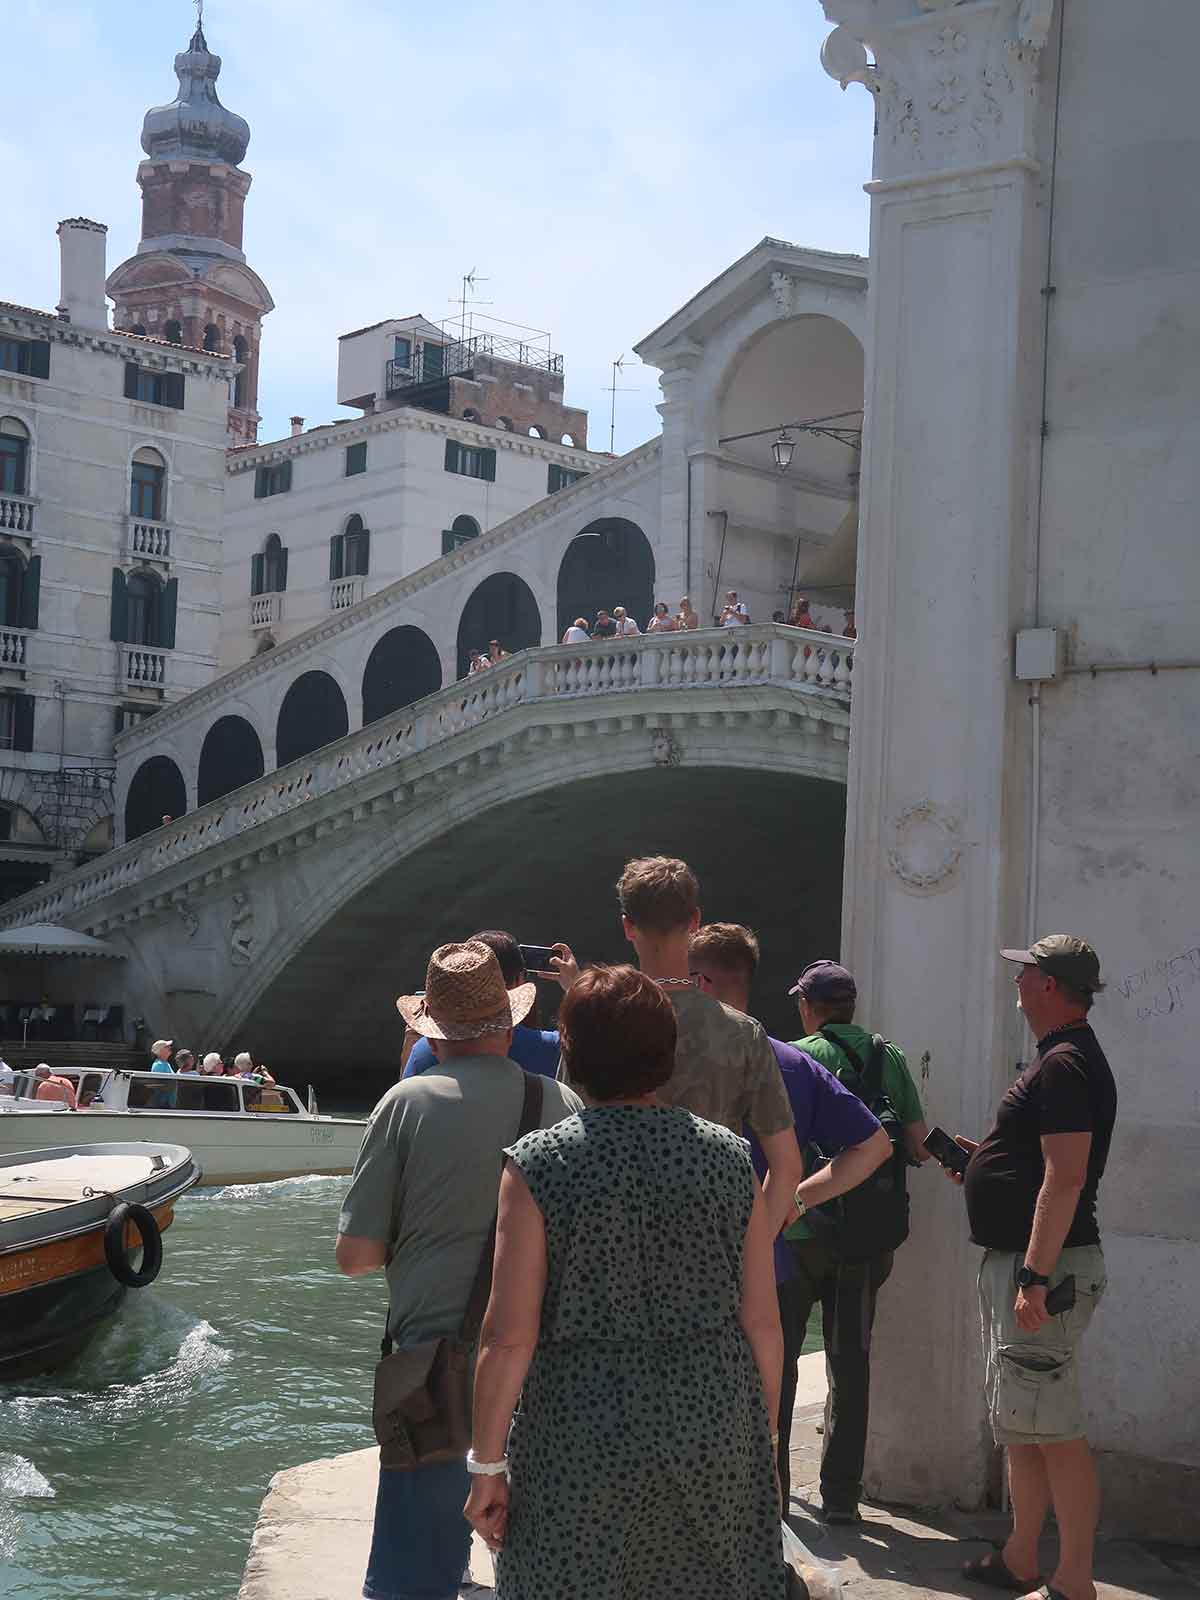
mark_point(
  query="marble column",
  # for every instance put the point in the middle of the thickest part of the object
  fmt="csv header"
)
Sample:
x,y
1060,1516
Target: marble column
x,y
937,804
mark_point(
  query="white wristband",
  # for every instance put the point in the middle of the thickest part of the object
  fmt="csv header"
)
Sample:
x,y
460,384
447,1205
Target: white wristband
x,y
485,1469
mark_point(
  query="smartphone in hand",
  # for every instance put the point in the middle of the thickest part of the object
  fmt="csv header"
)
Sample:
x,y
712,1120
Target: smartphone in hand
x,y
536,957
946,1151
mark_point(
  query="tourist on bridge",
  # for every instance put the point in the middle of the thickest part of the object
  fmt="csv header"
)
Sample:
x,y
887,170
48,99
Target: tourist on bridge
x,y
662,621
724,959
496,652
725,1069
802,616
734,613
688,619
1031,1202
845,1261
633,1316
605,627
421,1204
577,633
626,626
534,1049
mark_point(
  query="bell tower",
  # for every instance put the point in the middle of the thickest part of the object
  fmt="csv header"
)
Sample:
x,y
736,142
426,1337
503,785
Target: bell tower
x,y
189,282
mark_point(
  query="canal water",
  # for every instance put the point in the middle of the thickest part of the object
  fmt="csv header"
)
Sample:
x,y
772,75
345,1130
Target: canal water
x,y
137,1473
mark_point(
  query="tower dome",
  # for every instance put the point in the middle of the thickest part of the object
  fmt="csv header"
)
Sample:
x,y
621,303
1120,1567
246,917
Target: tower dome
x,y
195,124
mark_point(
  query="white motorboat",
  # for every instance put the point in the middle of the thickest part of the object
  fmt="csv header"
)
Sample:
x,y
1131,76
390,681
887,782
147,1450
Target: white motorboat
x,y
79,1227
238,1130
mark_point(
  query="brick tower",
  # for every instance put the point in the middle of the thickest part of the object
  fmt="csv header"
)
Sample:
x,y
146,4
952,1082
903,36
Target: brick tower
x,y
189,282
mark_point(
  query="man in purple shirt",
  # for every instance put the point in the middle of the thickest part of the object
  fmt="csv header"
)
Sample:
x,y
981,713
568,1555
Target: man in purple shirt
x,y
723,959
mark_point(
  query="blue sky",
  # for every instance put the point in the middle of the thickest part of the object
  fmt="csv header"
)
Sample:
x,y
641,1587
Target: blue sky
x,y
597,167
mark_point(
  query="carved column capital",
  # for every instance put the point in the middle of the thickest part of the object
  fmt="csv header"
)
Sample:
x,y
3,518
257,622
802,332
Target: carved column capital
x,y
956,80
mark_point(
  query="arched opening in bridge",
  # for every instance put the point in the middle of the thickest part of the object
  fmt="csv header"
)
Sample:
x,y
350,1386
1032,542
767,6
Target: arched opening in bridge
x,y
402,667
610,563
766,845
313,713
503,607
230,756
157,792
787,533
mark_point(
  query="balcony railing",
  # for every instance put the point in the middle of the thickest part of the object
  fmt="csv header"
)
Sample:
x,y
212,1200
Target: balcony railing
x,y
145,669
265,610
12,647
149,541
345,592
16,513
458,360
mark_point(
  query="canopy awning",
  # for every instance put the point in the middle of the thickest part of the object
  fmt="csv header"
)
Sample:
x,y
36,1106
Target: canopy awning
x,y
48,939
829,574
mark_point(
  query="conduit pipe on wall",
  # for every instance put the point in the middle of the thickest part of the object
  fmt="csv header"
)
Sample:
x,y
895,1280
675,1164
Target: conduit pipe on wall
x,y
1152,667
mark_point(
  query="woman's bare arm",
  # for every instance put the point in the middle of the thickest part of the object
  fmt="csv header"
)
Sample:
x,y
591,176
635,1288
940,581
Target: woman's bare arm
x,y
759,1314
509,1334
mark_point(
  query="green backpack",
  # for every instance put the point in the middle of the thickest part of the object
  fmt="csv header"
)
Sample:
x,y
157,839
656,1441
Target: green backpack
x,y
873,1218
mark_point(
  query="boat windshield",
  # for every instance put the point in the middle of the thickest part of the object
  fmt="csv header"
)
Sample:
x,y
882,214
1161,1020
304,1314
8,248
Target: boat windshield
x,y
156,1091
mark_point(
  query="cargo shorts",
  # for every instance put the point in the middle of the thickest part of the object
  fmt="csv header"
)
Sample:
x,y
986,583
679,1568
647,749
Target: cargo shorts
x,y
1032,1379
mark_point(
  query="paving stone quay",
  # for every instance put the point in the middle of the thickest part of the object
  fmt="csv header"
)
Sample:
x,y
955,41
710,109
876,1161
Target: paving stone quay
x,y
314,1531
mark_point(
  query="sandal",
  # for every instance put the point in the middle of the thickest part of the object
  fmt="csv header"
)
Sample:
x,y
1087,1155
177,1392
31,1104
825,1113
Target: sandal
x,y
993,1572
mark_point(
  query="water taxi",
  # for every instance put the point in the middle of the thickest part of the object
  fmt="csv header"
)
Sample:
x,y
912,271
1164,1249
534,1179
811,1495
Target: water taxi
x,y
238,1130
79,1228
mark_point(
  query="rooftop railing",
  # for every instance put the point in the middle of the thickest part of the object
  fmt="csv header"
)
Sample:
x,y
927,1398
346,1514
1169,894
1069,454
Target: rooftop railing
x,y
432,361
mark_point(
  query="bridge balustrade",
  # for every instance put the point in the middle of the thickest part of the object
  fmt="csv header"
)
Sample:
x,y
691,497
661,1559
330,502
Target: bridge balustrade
x,y
720,660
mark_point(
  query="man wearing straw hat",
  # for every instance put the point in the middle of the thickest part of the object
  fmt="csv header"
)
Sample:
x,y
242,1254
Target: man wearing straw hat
x,y
421,1204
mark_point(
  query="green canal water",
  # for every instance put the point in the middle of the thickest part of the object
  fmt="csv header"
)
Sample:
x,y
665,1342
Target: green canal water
x,y
137,1473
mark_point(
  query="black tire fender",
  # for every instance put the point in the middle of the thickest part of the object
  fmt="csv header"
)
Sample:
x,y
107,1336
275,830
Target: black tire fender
x,y
116,1254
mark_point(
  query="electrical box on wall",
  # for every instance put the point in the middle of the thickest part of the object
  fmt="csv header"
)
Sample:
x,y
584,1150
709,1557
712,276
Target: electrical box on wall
x,y
1039,654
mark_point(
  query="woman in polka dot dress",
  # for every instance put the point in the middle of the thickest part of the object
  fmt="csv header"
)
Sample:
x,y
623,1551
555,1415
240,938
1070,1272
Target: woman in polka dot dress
x,y
633,1313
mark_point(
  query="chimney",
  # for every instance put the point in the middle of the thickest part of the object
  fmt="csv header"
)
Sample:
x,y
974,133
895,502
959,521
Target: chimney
x,y
82,301
297,426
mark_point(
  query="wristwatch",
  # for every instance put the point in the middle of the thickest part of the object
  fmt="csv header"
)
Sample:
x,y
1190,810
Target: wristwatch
x,y
1027,1278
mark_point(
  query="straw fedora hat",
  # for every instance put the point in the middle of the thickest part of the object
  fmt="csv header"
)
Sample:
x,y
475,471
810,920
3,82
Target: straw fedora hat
x,y
465,996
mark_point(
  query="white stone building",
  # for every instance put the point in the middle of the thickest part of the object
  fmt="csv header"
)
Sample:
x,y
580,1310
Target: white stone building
x,y
111,482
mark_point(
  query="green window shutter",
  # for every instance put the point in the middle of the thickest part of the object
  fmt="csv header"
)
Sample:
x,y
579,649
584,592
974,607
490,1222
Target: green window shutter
x,y
282,568
337,546
256,573
452,456
285,477
363,566
31,585
489,465
449,542
168,614
131,380
119,621
22,722
260,483
356,458
172,390
39,358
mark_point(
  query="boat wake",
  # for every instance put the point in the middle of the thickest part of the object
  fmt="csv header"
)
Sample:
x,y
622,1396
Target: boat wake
x,y
277,1186
21,1480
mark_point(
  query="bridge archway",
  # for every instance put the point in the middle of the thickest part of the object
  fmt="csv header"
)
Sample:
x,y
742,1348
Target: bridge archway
x,y
469,876
230,756
610,563
403,666
313,714
502,607
156,791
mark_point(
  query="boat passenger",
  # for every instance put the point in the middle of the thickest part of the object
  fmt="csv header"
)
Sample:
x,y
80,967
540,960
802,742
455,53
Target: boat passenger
x,y
160,1051
51,1087
243,1064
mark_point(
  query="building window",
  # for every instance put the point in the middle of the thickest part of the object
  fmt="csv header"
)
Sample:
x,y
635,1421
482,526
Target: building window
x,y
350,552
153,388
433,361
143,609
173,333
276,479
29,358
356,458
561,478
16,721
14,456
241,353
268,569
147,486
470,461
463,530
212,338
402,352
20,582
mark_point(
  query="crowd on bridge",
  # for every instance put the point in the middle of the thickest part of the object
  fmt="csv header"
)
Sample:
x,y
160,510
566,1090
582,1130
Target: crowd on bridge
x,y
624,1224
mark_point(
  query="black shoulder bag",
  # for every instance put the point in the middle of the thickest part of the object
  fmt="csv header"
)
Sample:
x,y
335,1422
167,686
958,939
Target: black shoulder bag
x,y
422,1407
873,1218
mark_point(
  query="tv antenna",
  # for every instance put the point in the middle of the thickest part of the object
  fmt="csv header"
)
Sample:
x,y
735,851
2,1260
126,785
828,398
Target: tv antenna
x,y
618,366
467,298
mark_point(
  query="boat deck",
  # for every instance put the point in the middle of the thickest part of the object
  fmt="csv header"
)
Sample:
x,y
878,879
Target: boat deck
x,y
34,1188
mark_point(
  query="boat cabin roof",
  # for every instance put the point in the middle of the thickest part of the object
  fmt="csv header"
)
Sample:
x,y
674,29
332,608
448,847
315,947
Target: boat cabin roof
x,y
115,1089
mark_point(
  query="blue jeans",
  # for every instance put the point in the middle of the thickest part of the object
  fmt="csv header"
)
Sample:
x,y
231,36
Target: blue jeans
x,y
421,1540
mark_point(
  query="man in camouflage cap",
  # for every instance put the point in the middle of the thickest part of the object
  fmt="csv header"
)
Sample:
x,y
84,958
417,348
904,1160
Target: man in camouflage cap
x,y
1031,1201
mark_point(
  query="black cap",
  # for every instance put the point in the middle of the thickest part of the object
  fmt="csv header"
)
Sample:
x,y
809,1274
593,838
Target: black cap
x,y
825,980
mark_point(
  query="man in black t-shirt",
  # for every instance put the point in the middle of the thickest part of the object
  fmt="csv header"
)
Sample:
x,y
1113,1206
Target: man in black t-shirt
x,y
1031,1200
